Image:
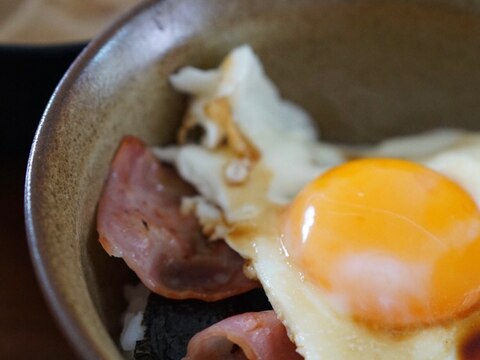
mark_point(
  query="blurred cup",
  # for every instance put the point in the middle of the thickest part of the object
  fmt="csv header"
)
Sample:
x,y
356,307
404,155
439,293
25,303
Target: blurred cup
x,y
56,21
39,39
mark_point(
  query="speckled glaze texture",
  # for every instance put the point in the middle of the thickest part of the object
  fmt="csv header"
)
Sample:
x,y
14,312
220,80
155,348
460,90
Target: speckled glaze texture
x,y
364,69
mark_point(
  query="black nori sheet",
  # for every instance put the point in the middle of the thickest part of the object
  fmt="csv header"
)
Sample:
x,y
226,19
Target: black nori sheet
x,y
171,323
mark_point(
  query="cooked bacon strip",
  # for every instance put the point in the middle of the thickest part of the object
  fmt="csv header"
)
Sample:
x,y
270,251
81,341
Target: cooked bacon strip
x,y
139,219
252,336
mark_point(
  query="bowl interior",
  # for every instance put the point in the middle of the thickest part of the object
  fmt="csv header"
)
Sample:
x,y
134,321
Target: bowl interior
x,y
364,70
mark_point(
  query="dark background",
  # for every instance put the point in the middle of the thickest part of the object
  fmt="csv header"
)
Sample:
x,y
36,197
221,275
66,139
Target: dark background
x,y
28,77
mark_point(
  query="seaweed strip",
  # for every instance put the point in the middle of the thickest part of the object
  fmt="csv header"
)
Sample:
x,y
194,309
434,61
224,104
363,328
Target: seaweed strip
x,y
170,324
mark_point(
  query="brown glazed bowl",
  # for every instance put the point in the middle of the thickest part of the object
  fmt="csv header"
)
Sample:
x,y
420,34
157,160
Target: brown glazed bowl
x,y
364,69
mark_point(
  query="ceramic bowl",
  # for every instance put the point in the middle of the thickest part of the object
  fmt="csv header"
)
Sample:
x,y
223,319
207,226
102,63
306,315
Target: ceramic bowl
x,y
365,70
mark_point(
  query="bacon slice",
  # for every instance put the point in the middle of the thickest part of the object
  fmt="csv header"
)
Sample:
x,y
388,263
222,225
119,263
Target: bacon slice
x,y
139,219
252,336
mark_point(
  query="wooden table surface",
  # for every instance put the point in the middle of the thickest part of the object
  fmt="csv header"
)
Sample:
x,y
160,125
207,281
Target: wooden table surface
x,y
27,328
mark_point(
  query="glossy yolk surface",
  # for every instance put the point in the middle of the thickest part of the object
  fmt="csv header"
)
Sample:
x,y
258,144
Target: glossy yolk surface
x,y
390,242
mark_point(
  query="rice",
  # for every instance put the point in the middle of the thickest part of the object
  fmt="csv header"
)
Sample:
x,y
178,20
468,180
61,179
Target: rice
x,y
133,330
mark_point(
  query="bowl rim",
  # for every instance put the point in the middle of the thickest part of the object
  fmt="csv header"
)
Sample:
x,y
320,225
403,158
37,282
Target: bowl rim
x,y
76,335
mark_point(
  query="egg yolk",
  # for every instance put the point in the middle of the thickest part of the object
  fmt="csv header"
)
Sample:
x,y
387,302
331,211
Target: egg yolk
x,y
391,242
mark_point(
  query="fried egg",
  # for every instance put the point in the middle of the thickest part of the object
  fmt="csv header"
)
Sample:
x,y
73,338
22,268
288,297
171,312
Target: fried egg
x,y
366,259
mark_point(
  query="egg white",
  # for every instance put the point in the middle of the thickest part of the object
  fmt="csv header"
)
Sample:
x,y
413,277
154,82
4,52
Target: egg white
x,y
238,190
